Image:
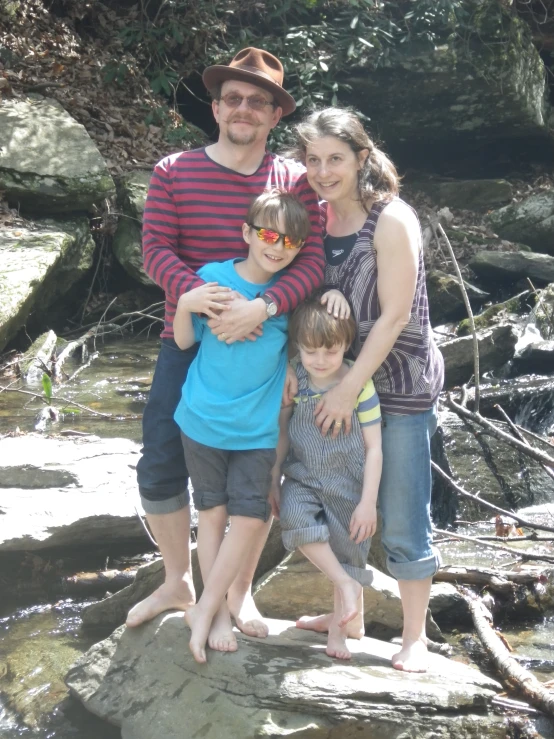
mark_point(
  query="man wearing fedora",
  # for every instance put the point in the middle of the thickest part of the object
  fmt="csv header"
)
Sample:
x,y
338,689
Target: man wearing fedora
x,y
196,205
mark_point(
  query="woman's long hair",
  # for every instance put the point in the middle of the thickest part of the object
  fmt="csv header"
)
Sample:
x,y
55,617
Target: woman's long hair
x,y
378,178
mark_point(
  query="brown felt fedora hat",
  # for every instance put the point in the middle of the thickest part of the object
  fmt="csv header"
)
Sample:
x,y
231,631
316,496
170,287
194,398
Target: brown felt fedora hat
x,y
256,66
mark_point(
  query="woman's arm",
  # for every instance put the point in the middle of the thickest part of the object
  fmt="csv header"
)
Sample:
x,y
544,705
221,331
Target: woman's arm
x,y
397,243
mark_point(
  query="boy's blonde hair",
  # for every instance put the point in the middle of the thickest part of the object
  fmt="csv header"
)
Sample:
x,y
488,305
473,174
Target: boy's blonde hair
x,y
267,207
312,327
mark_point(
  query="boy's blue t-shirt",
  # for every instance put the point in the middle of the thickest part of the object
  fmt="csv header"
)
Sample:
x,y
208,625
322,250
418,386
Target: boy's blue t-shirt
x,y
232,395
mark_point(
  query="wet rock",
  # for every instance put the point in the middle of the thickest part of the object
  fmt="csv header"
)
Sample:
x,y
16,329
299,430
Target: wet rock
x,y
127,244
486,467
38,266
530,222
509,267
446,302
537,357
285,684
508,311
112,611
467,194
48,162
67,493
296,588
496,347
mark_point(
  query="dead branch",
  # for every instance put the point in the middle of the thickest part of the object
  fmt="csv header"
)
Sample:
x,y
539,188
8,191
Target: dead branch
x,y
485,503
476,372
67,352
66,401
516,432
526,556
498,433
97,582
508,667
500,581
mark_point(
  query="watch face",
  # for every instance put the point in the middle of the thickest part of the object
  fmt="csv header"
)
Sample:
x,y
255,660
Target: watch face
x,y
271,309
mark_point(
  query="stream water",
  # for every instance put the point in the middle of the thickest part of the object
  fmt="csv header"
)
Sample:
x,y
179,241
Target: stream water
x,y
38,643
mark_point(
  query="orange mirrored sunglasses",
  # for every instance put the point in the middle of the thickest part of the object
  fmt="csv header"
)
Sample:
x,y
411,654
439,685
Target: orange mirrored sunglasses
x,y
272,237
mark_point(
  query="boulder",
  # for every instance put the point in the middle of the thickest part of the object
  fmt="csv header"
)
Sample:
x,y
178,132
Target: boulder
x,y
296,588
496,347
112,611
445,297
48,162
146,681
535,358
486,467
127,243
530,222
495,267
38,265
506,312
67,493
467,194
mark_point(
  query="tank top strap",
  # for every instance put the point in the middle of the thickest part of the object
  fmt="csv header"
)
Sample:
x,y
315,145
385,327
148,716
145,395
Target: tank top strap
x,y
368,229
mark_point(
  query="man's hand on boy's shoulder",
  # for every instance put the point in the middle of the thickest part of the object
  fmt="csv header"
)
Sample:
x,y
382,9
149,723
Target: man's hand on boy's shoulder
x,y
210,299
242,320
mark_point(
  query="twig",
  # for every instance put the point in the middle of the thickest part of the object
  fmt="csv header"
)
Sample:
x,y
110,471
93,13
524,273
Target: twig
x,y
518,519
144,526
476,373
528,537
531,556
533,435
498,433
67,352
508,667
62,400
549,471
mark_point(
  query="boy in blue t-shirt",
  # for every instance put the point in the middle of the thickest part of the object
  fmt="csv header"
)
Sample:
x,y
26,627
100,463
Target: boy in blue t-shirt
x,y
229,409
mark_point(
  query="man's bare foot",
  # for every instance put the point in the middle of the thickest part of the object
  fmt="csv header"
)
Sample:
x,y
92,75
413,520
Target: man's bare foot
x,y
336,642
221,635
169,596
413,657
350,591
354,630
247,617
199,628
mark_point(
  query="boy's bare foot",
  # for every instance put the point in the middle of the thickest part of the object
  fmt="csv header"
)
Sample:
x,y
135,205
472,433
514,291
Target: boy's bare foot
x,y
321,624
169,596
350,591
336,643
221,635
247,617
200,628
413,657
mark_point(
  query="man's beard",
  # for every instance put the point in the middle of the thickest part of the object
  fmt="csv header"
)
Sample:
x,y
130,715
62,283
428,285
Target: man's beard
x,y
241,140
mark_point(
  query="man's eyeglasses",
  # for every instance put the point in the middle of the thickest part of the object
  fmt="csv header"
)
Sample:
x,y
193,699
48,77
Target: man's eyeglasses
x,y
269,236
254,102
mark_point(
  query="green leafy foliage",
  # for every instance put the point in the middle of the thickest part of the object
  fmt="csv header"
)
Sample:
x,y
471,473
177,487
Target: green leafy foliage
x,y
47,387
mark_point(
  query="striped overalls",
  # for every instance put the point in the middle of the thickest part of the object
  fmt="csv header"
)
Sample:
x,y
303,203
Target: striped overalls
x,y
322,485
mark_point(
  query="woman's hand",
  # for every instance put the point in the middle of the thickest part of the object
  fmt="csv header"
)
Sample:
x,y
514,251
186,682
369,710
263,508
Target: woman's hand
x,y
337,304
291,387
335,409
209,298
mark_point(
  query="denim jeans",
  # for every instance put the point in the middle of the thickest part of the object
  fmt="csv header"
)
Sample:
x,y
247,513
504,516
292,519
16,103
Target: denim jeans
x,y
161,470
405,495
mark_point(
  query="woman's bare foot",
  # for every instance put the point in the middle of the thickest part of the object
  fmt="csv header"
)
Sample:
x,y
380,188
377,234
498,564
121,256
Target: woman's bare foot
x,y
200,628
354,630
336,642
247,617
221,635
169,596
350,591
413,657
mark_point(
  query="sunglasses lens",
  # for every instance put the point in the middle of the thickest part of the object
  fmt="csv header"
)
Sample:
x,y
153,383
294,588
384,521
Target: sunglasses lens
x,y
270,237
256,103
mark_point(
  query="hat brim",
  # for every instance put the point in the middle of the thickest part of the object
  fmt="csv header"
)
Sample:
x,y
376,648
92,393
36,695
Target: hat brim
x,y
219,73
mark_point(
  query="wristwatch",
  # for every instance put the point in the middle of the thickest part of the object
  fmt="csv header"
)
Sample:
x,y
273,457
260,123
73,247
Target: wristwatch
x,y
270,305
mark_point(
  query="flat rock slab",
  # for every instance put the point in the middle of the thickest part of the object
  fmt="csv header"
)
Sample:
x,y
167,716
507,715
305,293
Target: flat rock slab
x,y
508,267
146,681
48,162
67,493
38,265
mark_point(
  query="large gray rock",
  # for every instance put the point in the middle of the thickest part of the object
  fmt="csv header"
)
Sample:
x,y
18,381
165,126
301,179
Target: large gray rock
x,y
446,302
496,347
530,222
296,588
146,681
48,162
467,194
67,493
496,267
38,266
127,244
472,86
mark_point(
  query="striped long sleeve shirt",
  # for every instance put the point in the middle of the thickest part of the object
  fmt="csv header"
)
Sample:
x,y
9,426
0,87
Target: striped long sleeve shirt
x,y
194,213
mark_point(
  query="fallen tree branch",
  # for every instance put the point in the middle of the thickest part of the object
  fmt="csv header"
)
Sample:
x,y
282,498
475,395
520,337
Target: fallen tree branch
x,y
67,352
496,580
485,503
61,400
498,433
508,667
526,556
516,432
